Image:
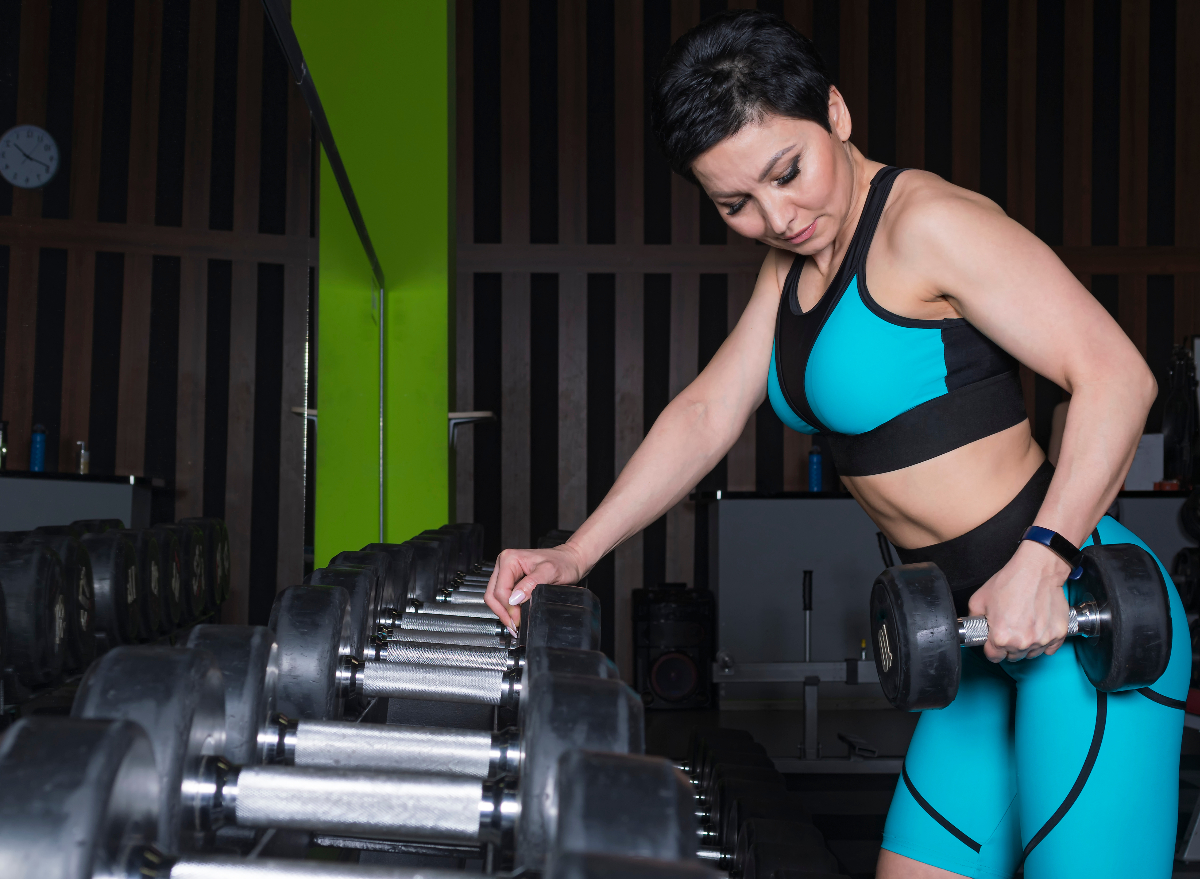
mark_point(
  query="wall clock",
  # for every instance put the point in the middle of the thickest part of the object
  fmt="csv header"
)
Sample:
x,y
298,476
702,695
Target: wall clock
x,y
28,156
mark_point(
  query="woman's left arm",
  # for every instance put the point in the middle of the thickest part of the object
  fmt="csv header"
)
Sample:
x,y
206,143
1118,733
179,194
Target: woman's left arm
x,y
1011,286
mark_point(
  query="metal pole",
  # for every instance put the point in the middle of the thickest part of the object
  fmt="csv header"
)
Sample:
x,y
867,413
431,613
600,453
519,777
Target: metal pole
x,y
382,349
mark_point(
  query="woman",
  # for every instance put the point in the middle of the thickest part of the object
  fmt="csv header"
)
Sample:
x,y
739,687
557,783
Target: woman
x,y
914,382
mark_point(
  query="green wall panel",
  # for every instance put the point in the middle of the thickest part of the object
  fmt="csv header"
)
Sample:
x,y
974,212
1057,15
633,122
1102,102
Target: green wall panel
x,y
382,70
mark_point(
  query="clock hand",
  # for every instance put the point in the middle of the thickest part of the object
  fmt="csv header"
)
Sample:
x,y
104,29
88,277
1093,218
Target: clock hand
x,y
31,158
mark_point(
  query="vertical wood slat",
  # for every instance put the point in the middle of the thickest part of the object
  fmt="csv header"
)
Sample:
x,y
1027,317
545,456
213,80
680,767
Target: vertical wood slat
x,y
248,138
189,410
853,55
515,406
464,308
1187,160
572,286
799,13
290,549
143,141
964,93
239,454
23,259
135,309
1021,132
910,83
685,324
515,286
572,399
1134,160
1077,123
77,353
88,112
740,472
628,88
572,122
628,386
197,148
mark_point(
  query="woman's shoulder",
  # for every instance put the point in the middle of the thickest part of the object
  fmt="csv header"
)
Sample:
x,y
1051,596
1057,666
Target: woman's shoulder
x,y
922,206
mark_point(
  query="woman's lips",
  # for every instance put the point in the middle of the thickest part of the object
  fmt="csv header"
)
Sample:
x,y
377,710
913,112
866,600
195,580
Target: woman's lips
x,y
804,233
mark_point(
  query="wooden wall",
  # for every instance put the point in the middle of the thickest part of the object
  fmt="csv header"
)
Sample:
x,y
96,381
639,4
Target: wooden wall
x,y
593,285
155,294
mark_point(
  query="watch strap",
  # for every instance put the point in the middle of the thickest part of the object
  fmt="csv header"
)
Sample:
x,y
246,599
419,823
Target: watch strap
x,y
1059,545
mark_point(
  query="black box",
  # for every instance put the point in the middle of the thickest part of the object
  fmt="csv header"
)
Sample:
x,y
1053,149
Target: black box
x,y
673,646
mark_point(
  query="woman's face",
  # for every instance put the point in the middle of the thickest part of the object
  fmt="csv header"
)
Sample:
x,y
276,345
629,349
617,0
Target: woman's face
x,y
786,182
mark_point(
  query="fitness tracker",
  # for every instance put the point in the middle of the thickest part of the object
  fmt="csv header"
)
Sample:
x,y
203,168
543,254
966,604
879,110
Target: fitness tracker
x,y
1059,545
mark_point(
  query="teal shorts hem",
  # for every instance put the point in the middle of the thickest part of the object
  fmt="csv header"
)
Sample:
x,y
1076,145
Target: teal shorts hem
x,y
941,860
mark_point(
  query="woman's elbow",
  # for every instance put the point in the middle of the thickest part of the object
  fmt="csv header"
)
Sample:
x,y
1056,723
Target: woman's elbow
x,y
1147,386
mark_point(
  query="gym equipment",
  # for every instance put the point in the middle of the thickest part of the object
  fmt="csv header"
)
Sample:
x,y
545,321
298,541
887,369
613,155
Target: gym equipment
x,y
150,619
673,646
80,595
31,577
216,555
1123,620
249,662
97,526
172,694
471,546
170,570
115,581
80,801
193,575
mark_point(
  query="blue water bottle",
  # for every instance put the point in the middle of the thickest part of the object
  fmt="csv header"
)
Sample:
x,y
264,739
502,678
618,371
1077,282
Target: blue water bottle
x,y
814,469
37,449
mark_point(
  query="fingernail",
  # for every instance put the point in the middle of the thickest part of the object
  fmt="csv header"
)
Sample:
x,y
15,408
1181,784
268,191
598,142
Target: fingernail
x,y
517,597
513,632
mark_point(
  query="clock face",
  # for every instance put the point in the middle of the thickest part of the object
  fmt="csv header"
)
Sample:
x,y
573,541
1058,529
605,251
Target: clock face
x,y
28,156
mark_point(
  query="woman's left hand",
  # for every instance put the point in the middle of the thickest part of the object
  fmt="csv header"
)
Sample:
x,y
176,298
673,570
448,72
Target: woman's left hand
x,y
1025,605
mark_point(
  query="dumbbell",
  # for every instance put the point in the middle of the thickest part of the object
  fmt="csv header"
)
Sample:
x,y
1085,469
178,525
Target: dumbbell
x,y
177,696
82,798
150,598
79,592
254,732
171,571
1122,621
115,581
197,598
216,556
36,600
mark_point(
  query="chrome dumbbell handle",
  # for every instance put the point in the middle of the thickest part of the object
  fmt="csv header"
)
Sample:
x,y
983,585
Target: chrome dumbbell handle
x,y
469,639
1085,619
461,655
479,686
148,862
436,622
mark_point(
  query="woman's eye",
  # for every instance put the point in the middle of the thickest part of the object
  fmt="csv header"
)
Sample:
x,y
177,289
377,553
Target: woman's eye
x,y
789,175
732,209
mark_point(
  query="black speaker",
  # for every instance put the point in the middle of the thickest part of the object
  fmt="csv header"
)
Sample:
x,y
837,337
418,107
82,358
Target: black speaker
x,y
673,646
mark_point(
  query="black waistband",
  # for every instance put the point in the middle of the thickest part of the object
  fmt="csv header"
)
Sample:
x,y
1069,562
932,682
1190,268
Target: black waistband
x,y
970,559
934,428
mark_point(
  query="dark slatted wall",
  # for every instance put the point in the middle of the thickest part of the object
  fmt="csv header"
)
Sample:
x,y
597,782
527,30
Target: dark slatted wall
x,y
592,285
154,296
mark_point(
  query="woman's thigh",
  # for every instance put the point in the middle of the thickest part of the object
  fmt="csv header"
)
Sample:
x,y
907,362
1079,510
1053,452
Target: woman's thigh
x,y
954,804
1107,763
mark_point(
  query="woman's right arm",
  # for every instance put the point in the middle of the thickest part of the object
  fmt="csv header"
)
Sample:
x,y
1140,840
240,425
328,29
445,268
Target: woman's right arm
x,y
691,435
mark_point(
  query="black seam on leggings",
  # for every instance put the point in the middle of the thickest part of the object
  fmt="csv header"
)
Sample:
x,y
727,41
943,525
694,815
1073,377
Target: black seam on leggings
x,y
1080,781
1162,700
933,813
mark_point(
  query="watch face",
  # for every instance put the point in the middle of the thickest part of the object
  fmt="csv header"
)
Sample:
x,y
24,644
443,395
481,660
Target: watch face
x,y
28,156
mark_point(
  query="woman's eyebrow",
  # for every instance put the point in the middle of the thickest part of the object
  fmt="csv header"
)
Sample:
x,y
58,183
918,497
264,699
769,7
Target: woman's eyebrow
x,y
774,159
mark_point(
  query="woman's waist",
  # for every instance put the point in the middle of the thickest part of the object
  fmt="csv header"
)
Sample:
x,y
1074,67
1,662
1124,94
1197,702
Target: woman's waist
x,y
945,497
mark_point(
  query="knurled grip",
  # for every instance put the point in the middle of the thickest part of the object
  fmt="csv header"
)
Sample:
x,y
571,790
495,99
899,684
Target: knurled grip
x,y
379,805
472,639
973,631
462,599
336,744
449,654
481,686
438,622
230,867
470,611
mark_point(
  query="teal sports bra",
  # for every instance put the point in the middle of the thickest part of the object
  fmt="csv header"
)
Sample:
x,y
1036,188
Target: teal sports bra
x,y
888,391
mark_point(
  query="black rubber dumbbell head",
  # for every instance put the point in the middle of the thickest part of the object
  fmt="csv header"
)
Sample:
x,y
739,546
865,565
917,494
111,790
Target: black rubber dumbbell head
x,y
31,577
312,629
249,663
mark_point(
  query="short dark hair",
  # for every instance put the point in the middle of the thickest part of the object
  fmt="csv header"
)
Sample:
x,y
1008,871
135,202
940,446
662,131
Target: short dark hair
x,y
729,71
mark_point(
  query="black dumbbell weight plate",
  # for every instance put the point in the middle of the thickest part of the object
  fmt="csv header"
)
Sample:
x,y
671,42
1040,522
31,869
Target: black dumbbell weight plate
x,y
1134,646
217,559
428,569
31,576
193,572
80,595
177,696
912,616
249,663
170,569
400,572
149,583
312,628
115,581
361,584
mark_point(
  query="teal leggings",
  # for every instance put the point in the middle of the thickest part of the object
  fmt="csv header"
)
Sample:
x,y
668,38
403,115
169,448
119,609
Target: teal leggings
x,y
1031,766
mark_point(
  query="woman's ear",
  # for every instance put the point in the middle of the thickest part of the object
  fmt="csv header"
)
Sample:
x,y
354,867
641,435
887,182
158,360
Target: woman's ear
x,y
839,115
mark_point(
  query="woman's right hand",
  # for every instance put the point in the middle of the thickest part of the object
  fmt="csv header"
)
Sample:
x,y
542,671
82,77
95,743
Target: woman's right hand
x,y
519,571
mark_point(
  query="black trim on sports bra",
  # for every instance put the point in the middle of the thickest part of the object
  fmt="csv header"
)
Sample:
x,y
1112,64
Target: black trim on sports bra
x,y
796,330
941,425
1080,780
